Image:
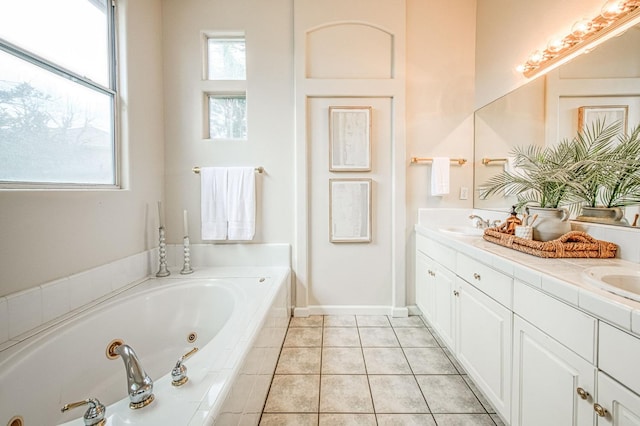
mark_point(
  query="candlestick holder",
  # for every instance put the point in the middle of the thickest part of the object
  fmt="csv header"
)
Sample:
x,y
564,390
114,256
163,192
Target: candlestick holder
x,y
186,267
162,250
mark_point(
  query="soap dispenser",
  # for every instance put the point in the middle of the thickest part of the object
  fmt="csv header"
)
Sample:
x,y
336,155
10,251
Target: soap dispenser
x,y
513,221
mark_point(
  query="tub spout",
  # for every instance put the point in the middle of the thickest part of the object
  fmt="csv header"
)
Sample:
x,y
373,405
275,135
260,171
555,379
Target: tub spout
x,y
139,383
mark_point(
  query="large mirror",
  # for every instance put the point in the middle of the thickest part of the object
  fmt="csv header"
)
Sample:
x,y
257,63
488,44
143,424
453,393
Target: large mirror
x,y
549,108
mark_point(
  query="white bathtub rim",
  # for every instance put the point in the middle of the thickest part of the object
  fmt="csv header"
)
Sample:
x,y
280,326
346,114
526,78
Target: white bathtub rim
x,y
18,343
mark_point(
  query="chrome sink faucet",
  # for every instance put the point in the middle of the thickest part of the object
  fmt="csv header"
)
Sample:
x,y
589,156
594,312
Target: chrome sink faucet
x,y
480,222
139,384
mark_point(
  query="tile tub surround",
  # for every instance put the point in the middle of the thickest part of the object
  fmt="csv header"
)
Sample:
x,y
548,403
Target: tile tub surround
x,y
26,313
370,370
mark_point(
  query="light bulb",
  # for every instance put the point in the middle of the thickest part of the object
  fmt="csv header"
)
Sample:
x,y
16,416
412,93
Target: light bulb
x,y
535,58
555,45
581,28
521,68
612,9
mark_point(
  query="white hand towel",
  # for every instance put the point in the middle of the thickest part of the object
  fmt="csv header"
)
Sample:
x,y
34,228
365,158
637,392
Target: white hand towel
x,y
440,176
241,198
213,202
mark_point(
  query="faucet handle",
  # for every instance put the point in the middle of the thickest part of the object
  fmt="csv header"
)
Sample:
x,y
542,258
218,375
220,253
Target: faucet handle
x,y
179,372
94,416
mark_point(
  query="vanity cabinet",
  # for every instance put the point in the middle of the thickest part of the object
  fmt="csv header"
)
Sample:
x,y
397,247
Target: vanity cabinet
x,y
435,286
548,381
484,344
616,405
621,397
538,359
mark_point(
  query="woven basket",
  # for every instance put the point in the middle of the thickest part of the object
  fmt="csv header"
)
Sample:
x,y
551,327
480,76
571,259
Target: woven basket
x,y
572,244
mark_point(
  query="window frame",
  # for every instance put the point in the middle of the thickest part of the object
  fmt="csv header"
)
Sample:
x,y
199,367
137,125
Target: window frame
x,y
112,92
222,88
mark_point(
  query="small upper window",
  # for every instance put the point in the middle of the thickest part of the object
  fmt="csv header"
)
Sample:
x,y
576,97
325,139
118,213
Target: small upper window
x,y
226,58
57,92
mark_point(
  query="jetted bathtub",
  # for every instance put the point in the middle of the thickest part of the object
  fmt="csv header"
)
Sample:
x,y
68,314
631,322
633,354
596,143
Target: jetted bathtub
x,y
237,323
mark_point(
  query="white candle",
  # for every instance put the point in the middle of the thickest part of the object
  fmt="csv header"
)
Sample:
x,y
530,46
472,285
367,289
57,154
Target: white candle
x,y
160,215
185,223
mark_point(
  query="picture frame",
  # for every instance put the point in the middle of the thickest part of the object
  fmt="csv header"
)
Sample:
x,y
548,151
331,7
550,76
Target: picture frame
x,y
350,138
350,210
609,113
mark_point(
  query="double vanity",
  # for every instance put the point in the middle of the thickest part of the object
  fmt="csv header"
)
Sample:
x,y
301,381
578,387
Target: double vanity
x,y
545,343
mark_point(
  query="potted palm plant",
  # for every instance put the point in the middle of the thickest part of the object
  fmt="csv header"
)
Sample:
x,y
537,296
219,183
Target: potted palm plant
x,y
543,180
609,172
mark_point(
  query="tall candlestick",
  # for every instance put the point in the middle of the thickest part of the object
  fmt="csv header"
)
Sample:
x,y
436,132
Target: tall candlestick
x,y
160,215
185,223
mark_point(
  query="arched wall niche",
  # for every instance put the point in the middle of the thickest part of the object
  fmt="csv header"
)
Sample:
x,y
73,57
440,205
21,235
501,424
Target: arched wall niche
x,y
349,50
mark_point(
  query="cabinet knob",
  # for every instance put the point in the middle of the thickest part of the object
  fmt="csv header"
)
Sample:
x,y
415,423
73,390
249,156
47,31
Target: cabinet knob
x,y
582,393
476,276
600,410
430,272
456,293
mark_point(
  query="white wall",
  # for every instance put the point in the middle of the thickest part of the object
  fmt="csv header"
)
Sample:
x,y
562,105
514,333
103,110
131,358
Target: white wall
x,y
509,31
46,235
440,92
269,45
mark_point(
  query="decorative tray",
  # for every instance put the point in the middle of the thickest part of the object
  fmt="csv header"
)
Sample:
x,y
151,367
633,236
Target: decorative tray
x,y
572,244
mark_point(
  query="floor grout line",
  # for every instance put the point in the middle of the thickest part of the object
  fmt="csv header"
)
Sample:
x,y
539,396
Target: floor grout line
x,y
323,327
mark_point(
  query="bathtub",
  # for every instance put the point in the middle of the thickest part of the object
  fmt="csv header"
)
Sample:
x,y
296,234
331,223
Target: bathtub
x,y
238,317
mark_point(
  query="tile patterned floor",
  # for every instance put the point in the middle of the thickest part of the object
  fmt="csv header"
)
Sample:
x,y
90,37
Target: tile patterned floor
x,y
370,370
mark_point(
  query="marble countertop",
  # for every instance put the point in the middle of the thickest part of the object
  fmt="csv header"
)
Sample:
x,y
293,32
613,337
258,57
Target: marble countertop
x,y
561,278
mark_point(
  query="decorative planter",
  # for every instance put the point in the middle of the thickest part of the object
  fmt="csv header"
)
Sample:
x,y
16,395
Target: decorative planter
x,y
606,215
551,223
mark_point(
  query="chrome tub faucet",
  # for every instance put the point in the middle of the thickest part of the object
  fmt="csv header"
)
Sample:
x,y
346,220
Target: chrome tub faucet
x,y
139,384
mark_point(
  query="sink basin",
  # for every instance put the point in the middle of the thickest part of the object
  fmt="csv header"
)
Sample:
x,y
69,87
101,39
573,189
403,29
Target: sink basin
x,y
463,230
619,280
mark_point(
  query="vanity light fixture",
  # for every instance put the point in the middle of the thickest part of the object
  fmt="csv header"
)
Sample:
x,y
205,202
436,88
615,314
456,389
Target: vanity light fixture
x,y
615,17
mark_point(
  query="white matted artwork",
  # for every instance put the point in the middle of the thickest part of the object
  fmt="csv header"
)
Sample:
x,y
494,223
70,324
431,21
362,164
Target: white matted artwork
x,y
349,138
608,114
350,210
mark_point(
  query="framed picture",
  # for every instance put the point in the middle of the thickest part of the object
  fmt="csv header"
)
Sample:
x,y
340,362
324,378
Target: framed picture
x,y
350,210
350,139
607,113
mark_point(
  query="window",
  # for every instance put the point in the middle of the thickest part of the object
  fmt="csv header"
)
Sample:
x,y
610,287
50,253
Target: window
x,y
57,92
226,72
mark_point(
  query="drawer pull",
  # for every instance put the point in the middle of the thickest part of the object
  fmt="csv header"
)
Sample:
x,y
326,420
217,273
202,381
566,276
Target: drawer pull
x,y
476,276
600,410
456,293
582,393
433,274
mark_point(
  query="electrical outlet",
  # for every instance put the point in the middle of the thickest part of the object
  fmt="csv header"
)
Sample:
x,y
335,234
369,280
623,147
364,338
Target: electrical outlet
x,y
464,193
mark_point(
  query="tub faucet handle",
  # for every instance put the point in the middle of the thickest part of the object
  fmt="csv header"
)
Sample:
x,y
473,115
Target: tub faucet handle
x,y
94,415
179,372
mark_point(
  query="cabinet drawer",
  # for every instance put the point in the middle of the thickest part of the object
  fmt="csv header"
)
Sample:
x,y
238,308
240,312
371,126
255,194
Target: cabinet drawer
x,y
619,355
439,252
488,280
569,326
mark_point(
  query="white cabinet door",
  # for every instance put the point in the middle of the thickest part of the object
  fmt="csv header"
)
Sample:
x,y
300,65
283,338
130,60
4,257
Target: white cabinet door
x,y
622,406
425,285
445,306
484,344
546,379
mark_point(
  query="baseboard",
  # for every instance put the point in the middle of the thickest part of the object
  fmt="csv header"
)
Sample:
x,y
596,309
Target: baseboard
x,y
301,312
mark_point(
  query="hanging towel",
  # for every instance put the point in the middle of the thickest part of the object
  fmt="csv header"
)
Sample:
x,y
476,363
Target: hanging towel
x,y
213,202
241,199
440,176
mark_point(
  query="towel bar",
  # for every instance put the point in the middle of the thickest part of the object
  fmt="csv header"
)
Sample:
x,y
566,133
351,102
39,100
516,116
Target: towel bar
x,y
196,169
415,160
486,161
